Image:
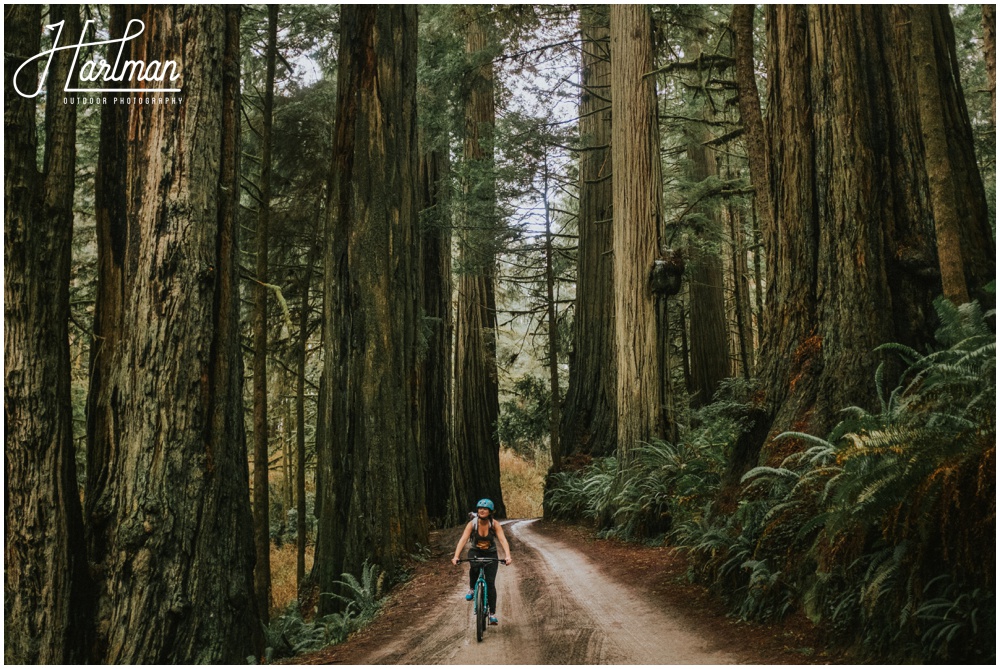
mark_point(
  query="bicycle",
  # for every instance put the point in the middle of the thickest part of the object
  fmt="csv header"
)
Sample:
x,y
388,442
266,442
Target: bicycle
x,y
481,594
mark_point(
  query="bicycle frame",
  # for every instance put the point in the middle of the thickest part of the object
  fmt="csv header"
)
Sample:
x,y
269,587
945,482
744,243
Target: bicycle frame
x,y
481,593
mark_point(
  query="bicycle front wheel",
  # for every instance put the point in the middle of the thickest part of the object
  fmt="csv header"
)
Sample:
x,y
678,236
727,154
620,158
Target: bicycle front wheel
x,y
482,612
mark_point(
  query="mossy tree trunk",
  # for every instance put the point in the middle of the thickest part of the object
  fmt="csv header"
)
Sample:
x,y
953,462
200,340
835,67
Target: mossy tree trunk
x,y
957,198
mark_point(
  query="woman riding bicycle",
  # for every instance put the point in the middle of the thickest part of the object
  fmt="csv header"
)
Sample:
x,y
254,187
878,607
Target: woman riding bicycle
x,y
487,534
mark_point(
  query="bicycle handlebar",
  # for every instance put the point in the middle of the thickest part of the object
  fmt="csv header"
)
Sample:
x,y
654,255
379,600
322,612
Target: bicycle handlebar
x,y
479,560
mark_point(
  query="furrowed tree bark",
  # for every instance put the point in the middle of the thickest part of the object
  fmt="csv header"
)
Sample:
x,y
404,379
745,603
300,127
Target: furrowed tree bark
x,y
589,421
47,594
477,404
261,470
638,207
170,523
374,510
435,364
827,239
110,214
741,292
851,257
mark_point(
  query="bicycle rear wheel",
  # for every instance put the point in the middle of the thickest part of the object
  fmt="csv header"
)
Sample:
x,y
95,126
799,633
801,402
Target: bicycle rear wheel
x,y
481,611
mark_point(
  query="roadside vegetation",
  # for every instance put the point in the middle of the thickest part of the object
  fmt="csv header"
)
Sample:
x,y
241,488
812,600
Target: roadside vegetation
x,y
290,633
883,531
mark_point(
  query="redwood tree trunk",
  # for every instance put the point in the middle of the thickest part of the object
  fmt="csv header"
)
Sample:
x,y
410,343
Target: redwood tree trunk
x,y
709,336
168,508
961,215
748,98
939,173
638,206
477,404
261,470
851,256
435,366
589,421
374,510
46,583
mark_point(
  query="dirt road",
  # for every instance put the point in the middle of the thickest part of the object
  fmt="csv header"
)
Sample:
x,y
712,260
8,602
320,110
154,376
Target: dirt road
x,y
555,607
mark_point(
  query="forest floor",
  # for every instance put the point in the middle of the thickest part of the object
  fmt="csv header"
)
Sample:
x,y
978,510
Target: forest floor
x,y
571,598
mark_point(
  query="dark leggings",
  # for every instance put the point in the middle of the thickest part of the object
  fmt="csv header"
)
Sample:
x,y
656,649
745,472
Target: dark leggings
x,y
489,571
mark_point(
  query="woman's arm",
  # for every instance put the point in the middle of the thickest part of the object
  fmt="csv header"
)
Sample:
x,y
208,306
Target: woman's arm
x,y
502,538
461,542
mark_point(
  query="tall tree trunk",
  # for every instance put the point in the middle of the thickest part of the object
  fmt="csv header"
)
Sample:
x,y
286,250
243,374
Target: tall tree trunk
x,y
261,487
990,54
850,264
748,99
374,511
709,337
939,178
710,360
820,236
758,278
961,217
46,583
589,420
477,404
553,331
435,365
169,507
300,409
741,292
638,207
110,214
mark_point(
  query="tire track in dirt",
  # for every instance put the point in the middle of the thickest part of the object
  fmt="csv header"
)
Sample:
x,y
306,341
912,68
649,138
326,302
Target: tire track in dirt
x,y
555,607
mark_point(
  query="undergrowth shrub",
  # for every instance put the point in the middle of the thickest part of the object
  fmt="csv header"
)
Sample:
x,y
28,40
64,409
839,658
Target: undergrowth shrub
x,y
885,530
290,634
583,494
665,484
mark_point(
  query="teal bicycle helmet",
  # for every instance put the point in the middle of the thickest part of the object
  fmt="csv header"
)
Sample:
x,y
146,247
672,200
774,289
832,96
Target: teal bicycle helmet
x,y
485,504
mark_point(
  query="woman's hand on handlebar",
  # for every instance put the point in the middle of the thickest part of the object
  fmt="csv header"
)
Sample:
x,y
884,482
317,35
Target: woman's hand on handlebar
x,y
508,560
454,560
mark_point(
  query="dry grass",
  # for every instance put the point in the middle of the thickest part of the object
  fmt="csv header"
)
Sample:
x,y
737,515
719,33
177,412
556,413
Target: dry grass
x,y
521,479
283,588
523,483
